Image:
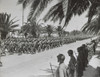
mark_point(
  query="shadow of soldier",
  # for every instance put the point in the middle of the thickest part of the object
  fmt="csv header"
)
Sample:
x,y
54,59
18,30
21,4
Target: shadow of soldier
x,y
98,72
0,64
49,70
91,72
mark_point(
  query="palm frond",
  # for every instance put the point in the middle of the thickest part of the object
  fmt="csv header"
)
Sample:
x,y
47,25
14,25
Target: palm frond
x,y
13,22
92,11
55,13
33,8
37,7
76,7
93,26
7,18
3,17
43,4
13,26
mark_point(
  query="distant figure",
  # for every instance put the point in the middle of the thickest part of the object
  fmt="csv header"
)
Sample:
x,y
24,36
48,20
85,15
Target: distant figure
x,y
62,69
72,63
94,46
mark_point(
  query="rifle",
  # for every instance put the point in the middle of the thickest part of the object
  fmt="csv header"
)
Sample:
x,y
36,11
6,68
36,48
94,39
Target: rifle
x,y
51,69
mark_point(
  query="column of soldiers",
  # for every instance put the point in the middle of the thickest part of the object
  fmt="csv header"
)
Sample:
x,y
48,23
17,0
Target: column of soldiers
x,y
32,45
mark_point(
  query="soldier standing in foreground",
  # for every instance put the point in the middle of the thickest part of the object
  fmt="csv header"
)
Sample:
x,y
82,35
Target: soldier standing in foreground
x,y
62,69
72,63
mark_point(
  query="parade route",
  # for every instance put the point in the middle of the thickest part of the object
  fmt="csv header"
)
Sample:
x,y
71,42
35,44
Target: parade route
x,y
49,38
38,64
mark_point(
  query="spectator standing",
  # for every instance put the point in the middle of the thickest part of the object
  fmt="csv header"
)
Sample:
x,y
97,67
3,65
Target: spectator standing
x,y
72,63
62,68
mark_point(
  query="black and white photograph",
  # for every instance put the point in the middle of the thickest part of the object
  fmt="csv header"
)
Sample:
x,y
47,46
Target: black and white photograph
x,y
49,38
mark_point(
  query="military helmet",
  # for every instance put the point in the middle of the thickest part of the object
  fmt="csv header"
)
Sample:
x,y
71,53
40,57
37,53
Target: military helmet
x,y
61,57
70,52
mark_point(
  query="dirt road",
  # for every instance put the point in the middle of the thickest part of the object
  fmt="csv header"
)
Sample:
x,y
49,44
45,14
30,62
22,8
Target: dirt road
x,y
28,65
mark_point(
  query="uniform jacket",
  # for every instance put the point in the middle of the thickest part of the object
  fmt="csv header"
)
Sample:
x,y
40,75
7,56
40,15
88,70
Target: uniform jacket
x,y
62,71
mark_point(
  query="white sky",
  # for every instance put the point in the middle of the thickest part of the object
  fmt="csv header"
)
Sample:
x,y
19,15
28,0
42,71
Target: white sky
x,y
10,6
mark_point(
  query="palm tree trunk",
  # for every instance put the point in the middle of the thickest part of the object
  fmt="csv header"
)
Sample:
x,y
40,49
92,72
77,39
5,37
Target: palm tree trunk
x,y
22,15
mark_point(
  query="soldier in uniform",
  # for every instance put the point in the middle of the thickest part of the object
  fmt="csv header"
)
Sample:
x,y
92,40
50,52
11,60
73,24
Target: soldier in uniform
x,y
94,45
72,63
62,69
85,54
80,61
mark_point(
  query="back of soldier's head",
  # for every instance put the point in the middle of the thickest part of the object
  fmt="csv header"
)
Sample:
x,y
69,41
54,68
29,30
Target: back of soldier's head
x,y
70,52
61,58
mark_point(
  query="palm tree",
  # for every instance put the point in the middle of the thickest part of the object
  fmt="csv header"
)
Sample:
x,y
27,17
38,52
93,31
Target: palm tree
x,y
37,6
49,30
73,7
55,13
6,24
93,27
63,9
34,28
25,29
30,28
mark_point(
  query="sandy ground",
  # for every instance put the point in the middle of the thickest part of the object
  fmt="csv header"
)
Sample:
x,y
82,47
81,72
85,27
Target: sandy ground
x,y
91,70
28,65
